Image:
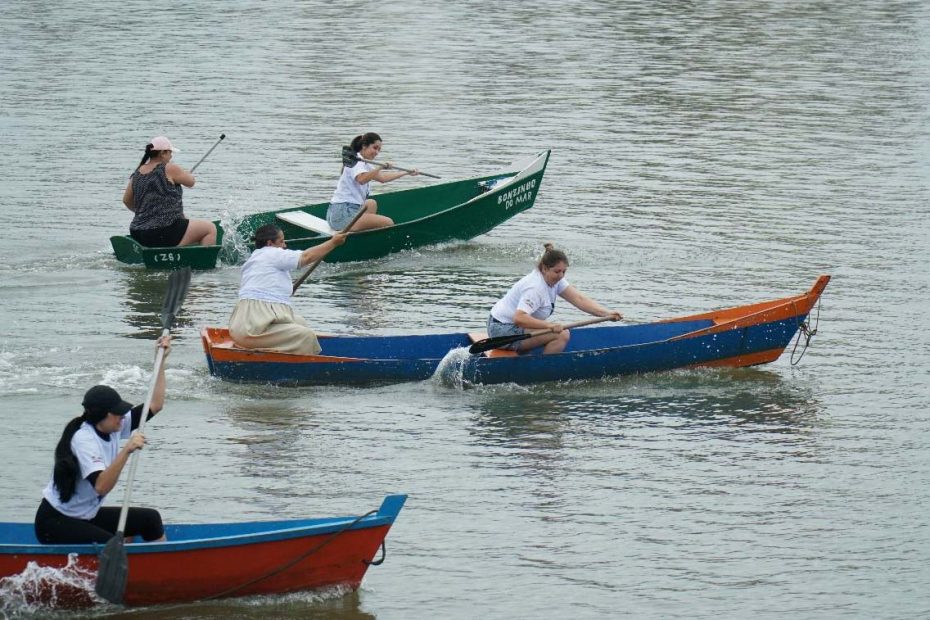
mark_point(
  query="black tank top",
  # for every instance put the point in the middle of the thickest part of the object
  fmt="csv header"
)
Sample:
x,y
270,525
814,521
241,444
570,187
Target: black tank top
x,y
158,202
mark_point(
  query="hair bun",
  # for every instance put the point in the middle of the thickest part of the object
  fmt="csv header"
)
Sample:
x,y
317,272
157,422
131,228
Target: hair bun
x,y
548,246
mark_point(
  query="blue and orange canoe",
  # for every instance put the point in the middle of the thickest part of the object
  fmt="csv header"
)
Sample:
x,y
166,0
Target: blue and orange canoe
x,y
732,337
204,561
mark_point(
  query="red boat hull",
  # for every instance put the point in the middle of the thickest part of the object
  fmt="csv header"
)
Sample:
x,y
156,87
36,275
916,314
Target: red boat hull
x,y
253,559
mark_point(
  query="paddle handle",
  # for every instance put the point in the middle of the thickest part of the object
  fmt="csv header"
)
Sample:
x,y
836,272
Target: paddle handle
x,y
317,262
375,163
222,136
134,457
498,341
599,319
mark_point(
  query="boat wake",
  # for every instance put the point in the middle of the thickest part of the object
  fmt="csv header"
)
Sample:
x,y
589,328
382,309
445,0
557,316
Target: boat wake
x,y
318,596
451,369
38,590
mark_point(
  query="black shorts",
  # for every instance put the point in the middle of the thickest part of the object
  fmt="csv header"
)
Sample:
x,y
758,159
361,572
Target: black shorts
x,y
52,527
167,236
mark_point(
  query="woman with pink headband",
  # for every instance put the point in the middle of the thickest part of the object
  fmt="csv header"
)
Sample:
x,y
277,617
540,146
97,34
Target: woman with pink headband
x,y
154,194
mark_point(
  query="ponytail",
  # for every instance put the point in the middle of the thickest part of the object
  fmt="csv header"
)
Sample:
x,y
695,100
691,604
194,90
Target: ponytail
x,y
361,141
551,257
67,472
148,154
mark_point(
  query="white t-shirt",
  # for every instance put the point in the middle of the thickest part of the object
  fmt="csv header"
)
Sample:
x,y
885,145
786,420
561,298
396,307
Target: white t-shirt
x,y
532,295
93,454
266,276
350,190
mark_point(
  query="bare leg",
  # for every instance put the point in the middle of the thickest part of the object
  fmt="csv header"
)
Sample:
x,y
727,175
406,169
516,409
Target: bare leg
x,y
200,231
551,343
371,219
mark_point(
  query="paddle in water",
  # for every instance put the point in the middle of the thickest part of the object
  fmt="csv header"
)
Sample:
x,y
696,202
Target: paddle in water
x,y
501,341
350,158
113,564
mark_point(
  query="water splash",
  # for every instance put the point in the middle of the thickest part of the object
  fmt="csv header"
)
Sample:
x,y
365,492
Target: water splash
x,y
451,369
235,247
39,590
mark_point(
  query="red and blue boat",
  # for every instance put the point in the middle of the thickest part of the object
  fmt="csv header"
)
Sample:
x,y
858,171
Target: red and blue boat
x,y
204,561
732,337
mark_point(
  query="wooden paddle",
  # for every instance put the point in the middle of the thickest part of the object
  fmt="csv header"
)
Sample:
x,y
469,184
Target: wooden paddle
x,y
316,263
222,136
495,343
350,158
113,564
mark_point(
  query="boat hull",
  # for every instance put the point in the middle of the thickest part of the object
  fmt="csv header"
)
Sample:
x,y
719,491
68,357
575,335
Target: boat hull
x,y
199,257
201,562
733,337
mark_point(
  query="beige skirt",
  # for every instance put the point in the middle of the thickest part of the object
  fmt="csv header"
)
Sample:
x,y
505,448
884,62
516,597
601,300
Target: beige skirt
x,y
269,326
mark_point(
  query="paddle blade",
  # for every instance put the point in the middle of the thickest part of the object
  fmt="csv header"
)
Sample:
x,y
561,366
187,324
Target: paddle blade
x,y
495,343
113,570
178,283
349,157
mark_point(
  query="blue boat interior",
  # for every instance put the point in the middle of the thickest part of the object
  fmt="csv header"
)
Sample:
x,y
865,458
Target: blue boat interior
x,y
24,533
436,346
609,337
431,346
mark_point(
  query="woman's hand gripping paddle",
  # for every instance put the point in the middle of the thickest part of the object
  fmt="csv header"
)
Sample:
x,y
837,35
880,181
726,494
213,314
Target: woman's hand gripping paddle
x,y
350,158
113,564
495,343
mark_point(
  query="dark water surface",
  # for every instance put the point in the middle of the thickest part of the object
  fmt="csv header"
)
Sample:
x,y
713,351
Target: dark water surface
x,y
704,155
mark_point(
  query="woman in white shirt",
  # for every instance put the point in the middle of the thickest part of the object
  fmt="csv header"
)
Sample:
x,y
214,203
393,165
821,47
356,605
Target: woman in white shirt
x,y
529,303
353,190
264,317
88,463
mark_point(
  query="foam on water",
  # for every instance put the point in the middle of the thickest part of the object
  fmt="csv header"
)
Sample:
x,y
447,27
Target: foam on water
x,y
320,595
38,590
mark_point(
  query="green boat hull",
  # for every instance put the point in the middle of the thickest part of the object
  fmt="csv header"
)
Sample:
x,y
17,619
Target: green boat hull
x,y
131,252
457,210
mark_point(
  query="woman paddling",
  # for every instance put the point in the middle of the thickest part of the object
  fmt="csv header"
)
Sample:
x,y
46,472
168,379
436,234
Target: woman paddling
x,y
352,191
264,316
88,463
154,194
530,302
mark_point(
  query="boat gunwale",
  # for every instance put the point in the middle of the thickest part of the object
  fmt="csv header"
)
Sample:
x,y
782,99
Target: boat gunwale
x,y
385,516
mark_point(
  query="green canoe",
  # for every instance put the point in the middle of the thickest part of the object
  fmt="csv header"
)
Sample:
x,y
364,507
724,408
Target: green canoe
x,y
457,210
130,251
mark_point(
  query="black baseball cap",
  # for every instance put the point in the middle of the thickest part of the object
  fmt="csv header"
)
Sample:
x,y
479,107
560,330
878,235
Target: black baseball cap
x,y
105,398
